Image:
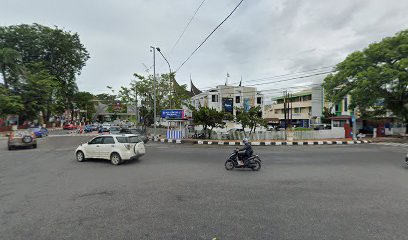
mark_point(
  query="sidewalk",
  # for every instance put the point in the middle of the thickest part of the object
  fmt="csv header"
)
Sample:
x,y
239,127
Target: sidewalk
x,y
266,142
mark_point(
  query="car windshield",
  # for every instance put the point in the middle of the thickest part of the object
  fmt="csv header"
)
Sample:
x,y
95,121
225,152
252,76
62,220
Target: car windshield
x,y
20,133
134,139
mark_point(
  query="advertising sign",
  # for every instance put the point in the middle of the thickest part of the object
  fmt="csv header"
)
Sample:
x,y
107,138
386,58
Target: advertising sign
x,y
247,104
172,113
228,104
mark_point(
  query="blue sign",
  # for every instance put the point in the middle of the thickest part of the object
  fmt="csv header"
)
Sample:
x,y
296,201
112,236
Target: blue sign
x,y
169,113
228,104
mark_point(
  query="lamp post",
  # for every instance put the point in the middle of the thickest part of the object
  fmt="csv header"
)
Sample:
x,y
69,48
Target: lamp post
x,y
153,49
171,82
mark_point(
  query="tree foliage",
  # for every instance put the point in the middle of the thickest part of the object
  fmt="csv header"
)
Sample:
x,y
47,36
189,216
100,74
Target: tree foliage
x,y
40,62
376,78
10,103
168,95
210,118
250,119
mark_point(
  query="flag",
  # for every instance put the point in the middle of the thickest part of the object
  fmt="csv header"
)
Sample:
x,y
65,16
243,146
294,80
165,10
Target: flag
x,y
240,83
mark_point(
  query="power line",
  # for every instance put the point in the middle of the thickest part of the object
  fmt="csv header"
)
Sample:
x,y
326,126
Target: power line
x,y
277,76
283,75
289,79
188,24
285,80
209,35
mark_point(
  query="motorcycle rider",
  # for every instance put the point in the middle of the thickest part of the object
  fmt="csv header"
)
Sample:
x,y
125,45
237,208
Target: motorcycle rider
x,y
246,151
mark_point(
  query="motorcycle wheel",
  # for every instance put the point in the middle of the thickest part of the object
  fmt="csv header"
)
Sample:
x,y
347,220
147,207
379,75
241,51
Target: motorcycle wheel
x,y
229,165
256,165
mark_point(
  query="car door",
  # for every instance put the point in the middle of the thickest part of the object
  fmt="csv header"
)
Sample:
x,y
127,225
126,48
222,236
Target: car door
x,y
106,148
92,150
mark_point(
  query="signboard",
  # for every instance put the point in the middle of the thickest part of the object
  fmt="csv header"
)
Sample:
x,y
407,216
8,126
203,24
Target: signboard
x,y
247,104
172,113
228,104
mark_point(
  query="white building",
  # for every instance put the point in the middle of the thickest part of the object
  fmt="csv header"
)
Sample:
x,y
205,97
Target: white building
x,y
227,98
305,107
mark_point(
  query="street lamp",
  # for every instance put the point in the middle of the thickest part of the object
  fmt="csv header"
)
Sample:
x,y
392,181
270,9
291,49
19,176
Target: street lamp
x,y
171,82
153,49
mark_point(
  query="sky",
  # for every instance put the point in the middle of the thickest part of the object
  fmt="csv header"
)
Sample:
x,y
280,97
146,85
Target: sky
x,y
261,40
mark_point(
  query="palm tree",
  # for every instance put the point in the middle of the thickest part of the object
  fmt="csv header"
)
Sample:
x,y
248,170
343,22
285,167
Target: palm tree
x,y
10,64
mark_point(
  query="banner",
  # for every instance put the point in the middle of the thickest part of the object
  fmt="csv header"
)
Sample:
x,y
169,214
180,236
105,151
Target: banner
x,y
172,113
228,104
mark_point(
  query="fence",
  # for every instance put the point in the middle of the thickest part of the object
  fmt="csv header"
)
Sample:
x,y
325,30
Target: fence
x,y
281,135
394,131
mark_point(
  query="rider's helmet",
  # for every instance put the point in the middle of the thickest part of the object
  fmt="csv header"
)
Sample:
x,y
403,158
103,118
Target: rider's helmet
x,y
245,140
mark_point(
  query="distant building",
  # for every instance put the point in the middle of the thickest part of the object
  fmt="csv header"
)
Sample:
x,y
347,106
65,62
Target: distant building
x,y
227,98
306,108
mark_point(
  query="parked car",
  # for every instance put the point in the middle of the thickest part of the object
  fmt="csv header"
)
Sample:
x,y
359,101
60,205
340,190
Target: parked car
x,y
114,130
106,126
116,148
141,134
88,128
95,126
69,126
21,138
39,131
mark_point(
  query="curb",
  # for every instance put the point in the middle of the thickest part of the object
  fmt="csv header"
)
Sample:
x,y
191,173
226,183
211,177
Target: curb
x,y
295,143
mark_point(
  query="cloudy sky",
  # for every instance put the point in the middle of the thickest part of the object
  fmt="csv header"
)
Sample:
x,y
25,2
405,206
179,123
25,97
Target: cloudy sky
x,y
262,39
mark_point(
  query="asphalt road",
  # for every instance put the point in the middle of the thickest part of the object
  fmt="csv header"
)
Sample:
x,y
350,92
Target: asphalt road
x,y
184,192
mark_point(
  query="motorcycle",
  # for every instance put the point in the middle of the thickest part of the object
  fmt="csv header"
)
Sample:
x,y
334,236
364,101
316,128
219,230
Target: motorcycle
x,y
253,162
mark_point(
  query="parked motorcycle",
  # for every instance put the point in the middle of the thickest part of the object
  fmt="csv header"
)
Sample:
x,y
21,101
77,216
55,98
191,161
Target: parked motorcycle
x,y
253,162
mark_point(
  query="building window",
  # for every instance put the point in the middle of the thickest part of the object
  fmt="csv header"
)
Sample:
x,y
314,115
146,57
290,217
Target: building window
x,y
276,111
280,101
214,98
345,104
297,110
310,110
259,100
337,108
237,99
307,98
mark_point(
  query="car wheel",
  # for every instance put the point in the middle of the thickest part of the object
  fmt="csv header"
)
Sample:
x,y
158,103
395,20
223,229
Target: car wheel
x,y
80,156
115,159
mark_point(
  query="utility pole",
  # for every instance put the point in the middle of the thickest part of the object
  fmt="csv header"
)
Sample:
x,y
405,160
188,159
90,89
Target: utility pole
x,y
354,123
154,90
137,108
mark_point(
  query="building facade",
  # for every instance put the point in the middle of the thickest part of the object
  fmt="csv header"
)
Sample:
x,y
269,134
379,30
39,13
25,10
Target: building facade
x,y
228,98
305,108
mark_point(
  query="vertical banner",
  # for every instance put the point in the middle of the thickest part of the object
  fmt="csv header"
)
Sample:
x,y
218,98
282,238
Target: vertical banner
x,y
228,104
247,104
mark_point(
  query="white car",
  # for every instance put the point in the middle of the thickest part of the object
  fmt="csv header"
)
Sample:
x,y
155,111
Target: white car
x,y
116,148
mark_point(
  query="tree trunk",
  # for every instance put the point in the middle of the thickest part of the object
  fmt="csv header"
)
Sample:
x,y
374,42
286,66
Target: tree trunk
x,y
3,71
209,135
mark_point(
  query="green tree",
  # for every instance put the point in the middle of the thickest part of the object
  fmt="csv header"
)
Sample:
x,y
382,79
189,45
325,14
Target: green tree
x,y
327,114
10,65
36,94
10,103
376,78
251,119
84,101
210,118
58,52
